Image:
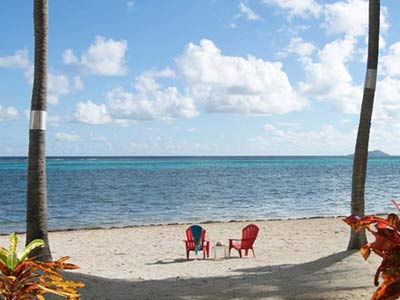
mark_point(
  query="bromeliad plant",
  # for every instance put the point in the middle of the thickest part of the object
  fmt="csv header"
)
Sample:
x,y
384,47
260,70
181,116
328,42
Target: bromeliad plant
x,y
387,246
22,278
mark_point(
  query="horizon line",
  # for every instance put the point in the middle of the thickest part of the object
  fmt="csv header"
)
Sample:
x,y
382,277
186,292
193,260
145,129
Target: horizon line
x,y
184,155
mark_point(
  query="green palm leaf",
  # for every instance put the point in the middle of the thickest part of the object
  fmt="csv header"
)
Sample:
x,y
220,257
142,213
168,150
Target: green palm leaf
x,y
32,245
3,256
13,242
12,260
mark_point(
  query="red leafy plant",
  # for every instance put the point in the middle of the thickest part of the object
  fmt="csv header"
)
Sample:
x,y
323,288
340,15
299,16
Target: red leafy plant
x,y
387,246
22,278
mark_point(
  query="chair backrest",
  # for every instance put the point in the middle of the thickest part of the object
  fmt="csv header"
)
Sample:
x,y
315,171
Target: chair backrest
x,y
189,235
249,235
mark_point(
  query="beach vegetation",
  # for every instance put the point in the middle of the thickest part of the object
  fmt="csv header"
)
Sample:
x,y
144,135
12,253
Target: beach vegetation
x,y
23,278
387,245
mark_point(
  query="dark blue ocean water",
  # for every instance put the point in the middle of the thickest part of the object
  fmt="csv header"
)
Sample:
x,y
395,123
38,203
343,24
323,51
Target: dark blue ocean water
x,y
107,192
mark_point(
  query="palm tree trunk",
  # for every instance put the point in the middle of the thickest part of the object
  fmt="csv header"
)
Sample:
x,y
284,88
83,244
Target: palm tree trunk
x,y
361,150
36,210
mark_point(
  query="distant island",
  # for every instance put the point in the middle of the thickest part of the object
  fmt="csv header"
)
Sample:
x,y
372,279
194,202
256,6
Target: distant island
x,y
374,154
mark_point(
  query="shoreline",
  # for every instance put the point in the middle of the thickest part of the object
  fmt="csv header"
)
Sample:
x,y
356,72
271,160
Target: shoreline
x,y
183,223
94,228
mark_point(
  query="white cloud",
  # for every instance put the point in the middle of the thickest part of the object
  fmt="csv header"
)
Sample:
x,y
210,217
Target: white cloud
x,y
130,4
235,84
248,13
100,139
104,57
78,83
299,8
384,19
385,130
29,73
350,17
146,82
69,57
52,120
329,78
150,101
298,46
57,85
274,131
8,113
326,139
67,137
387,103
91,113
391,61
327,134
19,60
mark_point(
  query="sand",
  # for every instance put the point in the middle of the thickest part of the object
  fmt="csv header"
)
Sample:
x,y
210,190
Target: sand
x,y
295,259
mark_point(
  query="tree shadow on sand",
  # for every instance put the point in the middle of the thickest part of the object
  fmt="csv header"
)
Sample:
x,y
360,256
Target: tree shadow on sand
x,y
168,262
325,278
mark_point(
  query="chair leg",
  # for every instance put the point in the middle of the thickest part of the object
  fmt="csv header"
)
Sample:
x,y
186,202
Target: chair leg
x,y
240,253
246,251
187,254
254,255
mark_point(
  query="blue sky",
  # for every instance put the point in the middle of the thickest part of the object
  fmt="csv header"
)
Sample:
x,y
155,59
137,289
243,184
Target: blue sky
x,y
204,77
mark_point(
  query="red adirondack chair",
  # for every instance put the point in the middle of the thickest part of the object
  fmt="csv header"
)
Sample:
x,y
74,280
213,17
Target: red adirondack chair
x,y
190,243
249,235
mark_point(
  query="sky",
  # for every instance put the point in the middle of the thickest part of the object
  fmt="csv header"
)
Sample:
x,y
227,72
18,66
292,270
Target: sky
x,y
200,77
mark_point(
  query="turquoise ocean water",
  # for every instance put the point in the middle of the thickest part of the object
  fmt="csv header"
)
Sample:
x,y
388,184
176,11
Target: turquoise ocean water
x,y
121,191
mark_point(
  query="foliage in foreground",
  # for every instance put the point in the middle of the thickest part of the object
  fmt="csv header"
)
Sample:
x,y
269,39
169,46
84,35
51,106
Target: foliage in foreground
x,y
22,278
387,246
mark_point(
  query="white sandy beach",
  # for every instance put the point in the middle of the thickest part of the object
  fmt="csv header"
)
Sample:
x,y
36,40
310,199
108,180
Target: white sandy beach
x,y
295,259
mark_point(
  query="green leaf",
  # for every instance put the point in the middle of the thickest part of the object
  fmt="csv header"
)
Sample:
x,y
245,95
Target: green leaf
x,y
12,257
12,260
3,255
32,245
13,242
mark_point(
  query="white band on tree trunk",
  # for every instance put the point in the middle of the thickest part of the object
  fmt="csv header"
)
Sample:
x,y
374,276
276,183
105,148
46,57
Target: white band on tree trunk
x,y
38,120
370,79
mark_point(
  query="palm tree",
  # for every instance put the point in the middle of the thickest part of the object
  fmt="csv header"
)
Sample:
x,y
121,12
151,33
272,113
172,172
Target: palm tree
x,y
361,151
36,210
